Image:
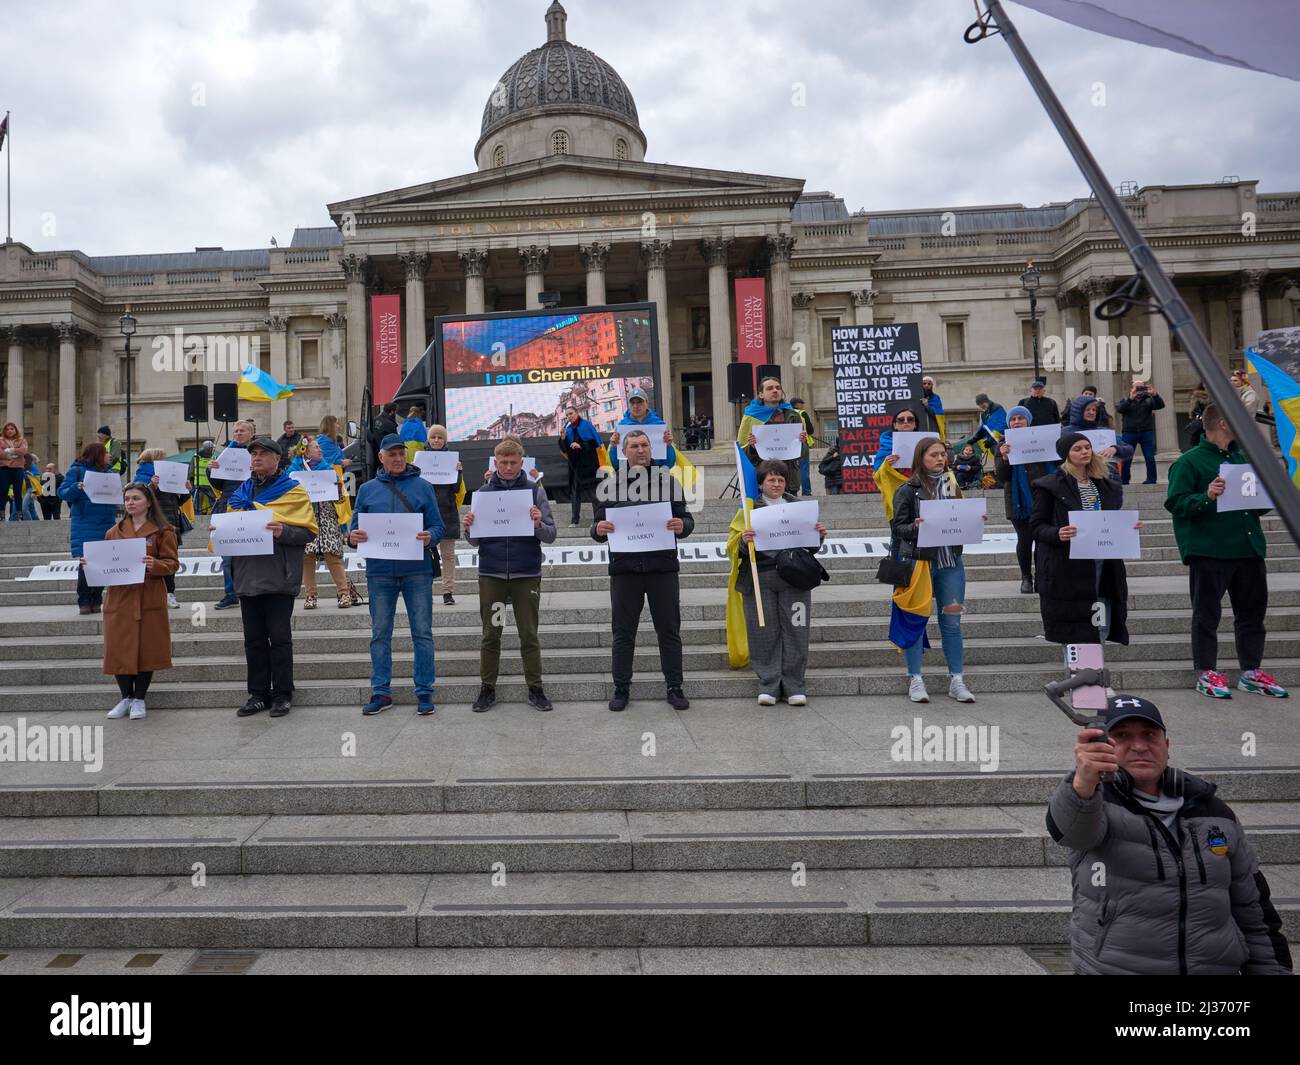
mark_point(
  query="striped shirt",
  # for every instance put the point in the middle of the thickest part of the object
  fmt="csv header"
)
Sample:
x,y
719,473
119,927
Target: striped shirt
x,y
1089,495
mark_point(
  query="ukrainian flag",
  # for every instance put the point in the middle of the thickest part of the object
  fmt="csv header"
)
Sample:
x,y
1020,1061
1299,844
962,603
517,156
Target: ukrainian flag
x,y
260,387
737,636
910,613
1285,394
284,497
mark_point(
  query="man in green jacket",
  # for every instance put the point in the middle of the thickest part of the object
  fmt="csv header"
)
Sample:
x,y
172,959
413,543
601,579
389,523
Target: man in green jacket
x,y
1223,550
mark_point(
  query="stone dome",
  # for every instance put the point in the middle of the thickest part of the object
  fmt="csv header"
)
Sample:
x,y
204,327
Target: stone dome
x,y
559,78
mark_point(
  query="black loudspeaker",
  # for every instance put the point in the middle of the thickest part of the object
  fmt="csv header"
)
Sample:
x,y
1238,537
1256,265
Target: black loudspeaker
x,y
740,382
196,403
769,369
225,402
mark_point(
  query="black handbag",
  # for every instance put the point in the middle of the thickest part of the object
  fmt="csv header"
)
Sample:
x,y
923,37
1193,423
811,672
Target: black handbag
x,y
800,568
896,570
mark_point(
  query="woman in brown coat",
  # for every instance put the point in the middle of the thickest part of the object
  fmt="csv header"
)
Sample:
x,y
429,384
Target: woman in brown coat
x,y
137,636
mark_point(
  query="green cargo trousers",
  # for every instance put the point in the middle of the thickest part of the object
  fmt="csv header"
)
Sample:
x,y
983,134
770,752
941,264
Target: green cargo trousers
x,y
524,595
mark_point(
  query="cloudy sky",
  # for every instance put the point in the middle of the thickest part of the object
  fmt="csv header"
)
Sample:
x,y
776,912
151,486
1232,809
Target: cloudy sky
x,y
148,126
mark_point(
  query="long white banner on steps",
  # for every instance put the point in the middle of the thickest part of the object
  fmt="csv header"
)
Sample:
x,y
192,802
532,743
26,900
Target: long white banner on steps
x,y
65,569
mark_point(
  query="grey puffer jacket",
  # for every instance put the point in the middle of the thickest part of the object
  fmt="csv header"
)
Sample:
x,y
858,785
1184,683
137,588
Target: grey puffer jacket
x,y
1153,901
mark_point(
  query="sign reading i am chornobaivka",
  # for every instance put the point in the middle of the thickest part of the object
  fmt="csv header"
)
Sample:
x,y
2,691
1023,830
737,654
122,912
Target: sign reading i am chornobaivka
x,y
875,366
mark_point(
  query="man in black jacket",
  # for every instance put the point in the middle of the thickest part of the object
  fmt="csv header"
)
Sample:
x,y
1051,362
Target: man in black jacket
x,y
1140,426
385,422
1040,405
635,576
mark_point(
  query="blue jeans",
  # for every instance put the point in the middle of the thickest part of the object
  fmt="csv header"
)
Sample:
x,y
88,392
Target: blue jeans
x,y
228,574
1147,441
949,588
417,592
805,476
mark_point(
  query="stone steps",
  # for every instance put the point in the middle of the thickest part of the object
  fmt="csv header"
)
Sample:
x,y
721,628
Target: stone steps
x,y
849,838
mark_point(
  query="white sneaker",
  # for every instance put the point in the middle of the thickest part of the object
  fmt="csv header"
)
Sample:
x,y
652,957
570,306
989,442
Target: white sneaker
x,y
137,709
798,700
120,710
171,601
766,700
916,690
957,689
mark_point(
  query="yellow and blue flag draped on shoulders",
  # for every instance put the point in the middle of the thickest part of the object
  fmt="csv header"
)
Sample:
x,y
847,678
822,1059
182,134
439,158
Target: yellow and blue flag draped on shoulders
x,y
343,508
910,612
257,385
888,478
1285,394
284,497
737,635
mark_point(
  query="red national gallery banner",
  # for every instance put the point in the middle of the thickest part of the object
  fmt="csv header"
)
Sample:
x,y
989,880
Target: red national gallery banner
x,y
751,320
385,347
875,365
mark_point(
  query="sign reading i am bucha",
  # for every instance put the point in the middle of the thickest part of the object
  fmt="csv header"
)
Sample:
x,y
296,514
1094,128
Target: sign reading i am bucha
x,y
875,365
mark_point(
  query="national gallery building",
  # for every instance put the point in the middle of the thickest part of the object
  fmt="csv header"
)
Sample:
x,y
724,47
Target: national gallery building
x,y
563,198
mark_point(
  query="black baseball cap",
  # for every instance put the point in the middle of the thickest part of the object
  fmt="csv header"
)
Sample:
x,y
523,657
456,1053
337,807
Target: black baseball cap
x,y
266,444
1121,707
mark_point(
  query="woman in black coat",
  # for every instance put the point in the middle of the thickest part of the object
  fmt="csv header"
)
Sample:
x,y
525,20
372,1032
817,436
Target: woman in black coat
x,y
1069,589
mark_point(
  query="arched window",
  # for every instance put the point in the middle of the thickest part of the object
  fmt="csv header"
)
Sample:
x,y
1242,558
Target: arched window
x,y
499,155
620,148
559,143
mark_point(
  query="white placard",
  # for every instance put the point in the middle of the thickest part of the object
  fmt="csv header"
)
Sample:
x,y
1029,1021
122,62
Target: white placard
x,y
642,528
1105,534
502,514
322,485
102,487
780,441
438,467
658,449
1033,443
781,525
1245,491
905,447
172,476
391,536
530,467
946,522
242,532
1100,439
233,464
110,562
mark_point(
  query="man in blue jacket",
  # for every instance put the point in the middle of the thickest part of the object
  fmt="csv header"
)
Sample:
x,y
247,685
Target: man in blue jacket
x,y
398,489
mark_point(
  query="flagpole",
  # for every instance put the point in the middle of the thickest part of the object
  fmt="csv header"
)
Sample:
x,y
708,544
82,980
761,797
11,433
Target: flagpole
x,y
753,568
9,207
1149,271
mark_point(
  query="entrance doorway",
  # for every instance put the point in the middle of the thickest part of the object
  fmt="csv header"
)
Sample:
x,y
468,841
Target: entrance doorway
x,y
697,403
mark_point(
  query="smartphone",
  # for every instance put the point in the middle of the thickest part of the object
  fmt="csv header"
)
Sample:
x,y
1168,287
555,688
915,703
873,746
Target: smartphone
x,y
1086,656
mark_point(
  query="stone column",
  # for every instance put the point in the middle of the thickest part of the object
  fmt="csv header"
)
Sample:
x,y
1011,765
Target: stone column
x,y
594,256
534,261
67,450
337,374
354,269
1072,378
416,264
715,252
1252,312
800,383
1162,379
14,383
654,253
1101,373
779,248
864,300
474,263
278,325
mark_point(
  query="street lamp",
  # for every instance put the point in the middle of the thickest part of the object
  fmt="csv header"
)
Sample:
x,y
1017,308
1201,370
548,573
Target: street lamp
x,y
1031,281
128,324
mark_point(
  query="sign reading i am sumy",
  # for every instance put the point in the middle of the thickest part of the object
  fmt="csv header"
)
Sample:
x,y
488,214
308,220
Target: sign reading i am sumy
x,y
875,365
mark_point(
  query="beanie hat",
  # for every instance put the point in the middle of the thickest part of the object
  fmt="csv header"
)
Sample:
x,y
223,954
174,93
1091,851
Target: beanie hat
x,y
1022,412
982,397
1067,441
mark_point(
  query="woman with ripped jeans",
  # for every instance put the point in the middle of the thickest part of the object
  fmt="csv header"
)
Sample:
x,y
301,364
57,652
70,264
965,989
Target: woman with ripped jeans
x,y
931,479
